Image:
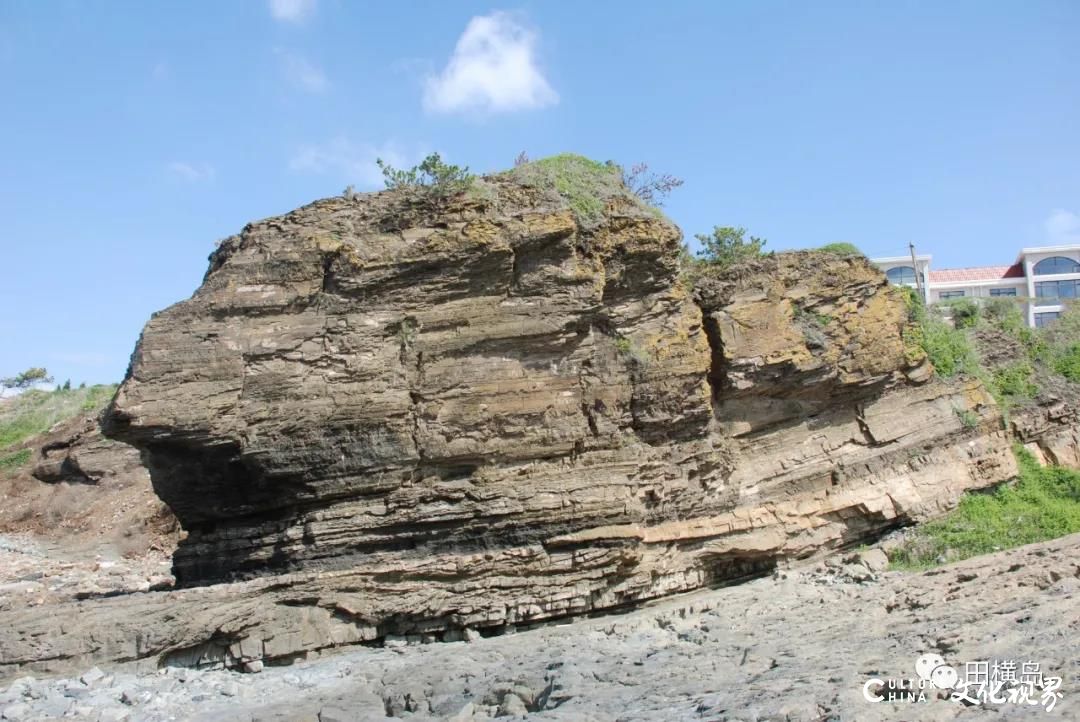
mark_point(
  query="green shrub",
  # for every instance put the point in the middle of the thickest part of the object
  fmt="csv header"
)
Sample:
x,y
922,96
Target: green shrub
x,y
1058,345
1067,362
842,249
729,245
968,418
965,312
1005,314
1015,381
432,175
912,301
631,352
1044,503
948,348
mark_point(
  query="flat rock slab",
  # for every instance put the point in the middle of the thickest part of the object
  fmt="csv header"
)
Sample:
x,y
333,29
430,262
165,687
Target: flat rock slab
x,y
798,646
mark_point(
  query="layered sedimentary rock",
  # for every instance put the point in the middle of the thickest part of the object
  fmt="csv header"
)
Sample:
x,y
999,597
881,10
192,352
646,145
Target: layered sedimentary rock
x,y
510,406
1051,431
76,452
393,377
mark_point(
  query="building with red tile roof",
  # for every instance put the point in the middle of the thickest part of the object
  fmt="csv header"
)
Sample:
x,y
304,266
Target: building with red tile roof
x,y
979,273
1043,280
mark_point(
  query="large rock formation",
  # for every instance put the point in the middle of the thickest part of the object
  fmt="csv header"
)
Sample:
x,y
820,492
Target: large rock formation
x,y
397,377
506,407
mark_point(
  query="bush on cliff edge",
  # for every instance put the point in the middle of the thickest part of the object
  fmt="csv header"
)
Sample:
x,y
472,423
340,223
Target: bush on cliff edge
x,y
728,245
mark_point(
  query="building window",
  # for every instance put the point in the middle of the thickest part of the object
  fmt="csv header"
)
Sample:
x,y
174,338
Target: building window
x,y
1042,319
1049,293
901,275
1002,291
945,295
1056,264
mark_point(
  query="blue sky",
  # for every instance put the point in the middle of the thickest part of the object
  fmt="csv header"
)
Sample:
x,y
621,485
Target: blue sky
x,y
135,135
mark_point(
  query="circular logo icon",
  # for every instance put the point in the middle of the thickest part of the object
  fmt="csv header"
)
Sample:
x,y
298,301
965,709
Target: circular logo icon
x,y
926,664
943,677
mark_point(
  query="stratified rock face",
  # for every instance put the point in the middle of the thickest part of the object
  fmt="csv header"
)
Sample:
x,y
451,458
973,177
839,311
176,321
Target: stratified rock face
x,y
1051,431
508,407
75,452
373,376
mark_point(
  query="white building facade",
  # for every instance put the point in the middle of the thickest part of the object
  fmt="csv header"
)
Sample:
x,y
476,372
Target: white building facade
x,y
1043,279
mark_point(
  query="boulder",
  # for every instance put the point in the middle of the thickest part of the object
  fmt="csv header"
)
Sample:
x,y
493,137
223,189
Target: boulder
x,y
76,452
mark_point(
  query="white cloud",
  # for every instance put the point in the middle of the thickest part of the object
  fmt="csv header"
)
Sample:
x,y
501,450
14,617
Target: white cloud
x,y
1062,227
353,162
291,11
302,73
191,172
493,69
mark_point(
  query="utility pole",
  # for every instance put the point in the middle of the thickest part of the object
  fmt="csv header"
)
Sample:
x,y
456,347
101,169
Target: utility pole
x,y
918,273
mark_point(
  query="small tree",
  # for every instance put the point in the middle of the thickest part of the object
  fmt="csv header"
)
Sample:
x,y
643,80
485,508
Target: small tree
x,y
432,175
653,188
521,159
728,245
28,378
965,312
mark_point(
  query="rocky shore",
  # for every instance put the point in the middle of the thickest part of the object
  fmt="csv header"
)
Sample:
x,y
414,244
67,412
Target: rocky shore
x,y
797,646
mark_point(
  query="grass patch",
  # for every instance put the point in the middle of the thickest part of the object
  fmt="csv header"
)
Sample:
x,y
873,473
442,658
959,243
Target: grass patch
x,y
1042,504
1067,362
819,319
968,418
842,249
34,412
584,183
11,462
631,352
1014,382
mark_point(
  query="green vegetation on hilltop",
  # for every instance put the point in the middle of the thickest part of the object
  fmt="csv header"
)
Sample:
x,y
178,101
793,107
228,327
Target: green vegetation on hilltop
x,y
842,249
728,245
34,412
1043,503
431,175
584,183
